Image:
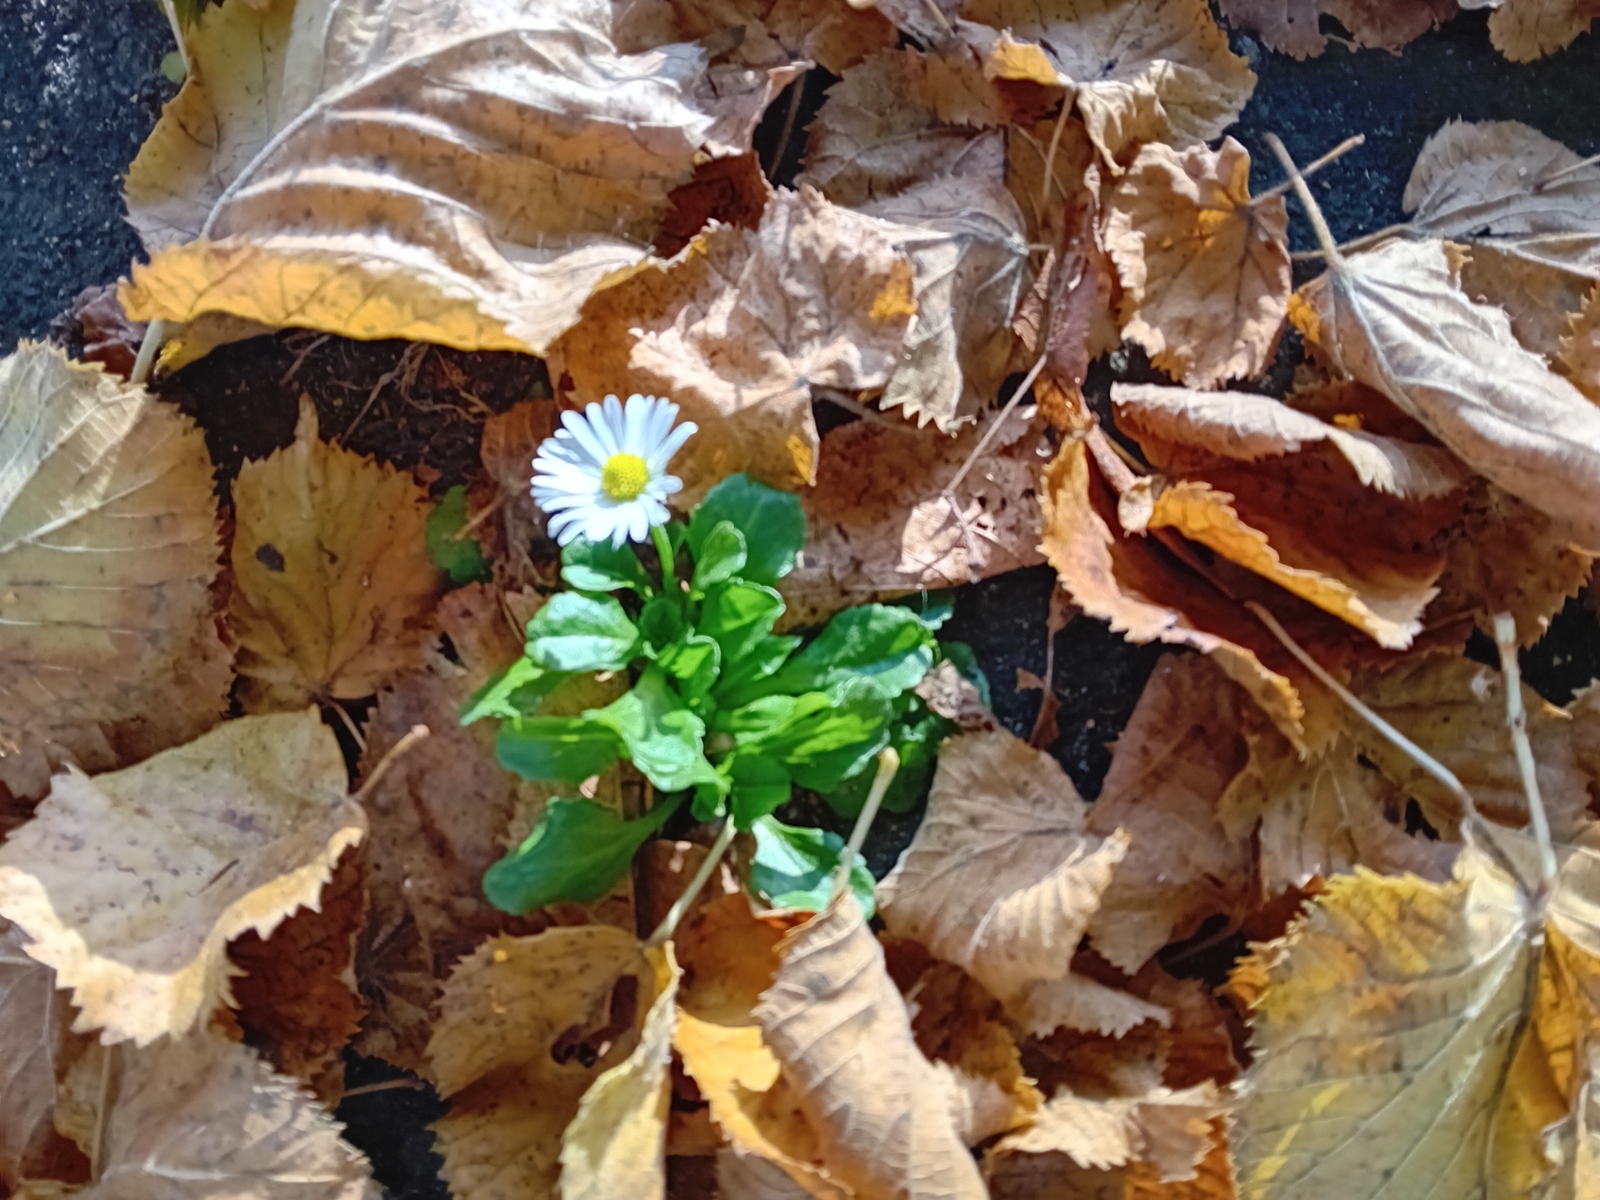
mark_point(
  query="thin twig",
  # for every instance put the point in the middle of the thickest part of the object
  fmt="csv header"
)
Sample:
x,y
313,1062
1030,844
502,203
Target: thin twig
x,y
888,764
1311,169
479,517
1330,249
1050,158
413,735
1564,172
994,430
939,17
102,1116
349,726
153,333
387,1085
669,923
1505,638
796,93
865,412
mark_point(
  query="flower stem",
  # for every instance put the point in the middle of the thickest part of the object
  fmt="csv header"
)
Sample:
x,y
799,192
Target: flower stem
x,y
888,764
669,923
669,574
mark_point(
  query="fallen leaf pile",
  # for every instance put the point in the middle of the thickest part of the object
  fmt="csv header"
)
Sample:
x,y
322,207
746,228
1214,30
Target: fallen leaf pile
x,y
243,832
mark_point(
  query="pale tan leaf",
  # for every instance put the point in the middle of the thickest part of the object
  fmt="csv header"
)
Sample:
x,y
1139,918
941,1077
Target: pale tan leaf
x,y
1539,299
1180,750
1395,319
1002,879
1455,710
108,549
132,884
886,1118
467,178
833,34
1505,185
878,522
1524,30
197,1118
614,1145
741,326
526,1025
332,576
751,1177
1140,71
1382,1024
1247,427
1580,347
34,1017
1292,26
1170,1130
1205,272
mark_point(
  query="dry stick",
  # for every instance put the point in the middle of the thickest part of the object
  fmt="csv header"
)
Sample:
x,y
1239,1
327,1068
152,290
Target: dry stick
x,y
479,517
388,1085
1050,158
153,333
939,16
1505,638
97,1146
349,726
1330,249
413,735
1312,168
669,923
799,88
1564,172
888,764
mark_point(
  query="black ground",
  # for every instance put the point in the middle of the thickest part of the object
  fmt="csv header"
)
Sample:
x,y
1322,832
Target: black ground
x,y
80,89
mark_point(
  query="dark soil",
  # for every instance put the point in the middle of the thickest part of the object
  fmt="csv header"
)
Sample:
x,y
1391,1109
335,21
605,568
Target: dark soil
x,y
79,90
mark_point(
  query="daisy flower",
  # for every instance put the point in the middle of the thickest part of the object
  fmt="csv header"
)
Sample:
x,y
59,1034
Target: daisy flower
x,y
604,474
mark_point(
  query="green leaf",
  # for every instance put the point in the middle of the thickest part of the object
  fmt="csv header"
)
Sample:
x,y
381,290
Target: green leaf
x,y
556,749
772,522
888,646
661,622
793,867
916,737
933,608
739,615
574,632
602,567
517,691
577,852
760,785
720,557
172,67
821,737
759,661
693,662
461,558
659,733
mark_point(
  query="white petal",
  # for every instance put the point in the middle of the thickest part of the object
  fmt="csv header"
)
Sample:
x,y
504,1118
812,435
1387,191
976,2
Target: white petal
x,y
609,426
564,448
671,445
655,511
566,527
661,423
636,426
667,485
638,523
581,427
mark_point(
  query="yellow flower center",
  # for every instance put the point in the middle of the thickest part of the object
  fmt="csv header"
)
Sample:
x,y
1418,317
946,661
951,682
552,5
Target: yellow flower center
x,y
624,476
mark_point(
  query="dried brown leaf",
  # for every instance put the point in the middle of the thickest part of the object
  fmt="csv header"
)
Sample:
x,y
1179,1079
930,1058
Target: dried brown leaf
x,y
1172,1131
329,180
832,33
1291,26
108,550
131,884
1524,30
1580,347
332,577
1205,272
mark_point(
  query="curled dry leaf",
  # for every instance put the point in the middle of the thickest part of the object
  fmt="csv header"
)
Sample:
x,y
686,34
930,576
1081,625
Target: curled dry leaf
x,y
833,34
1205,271
741,326
615,1143
131,884
332,578
879,522
1003,879
1293,26
889,1122
1524,30
1352,1098
1173,762
199,1117
1139,72
34,1017
465,179
525,1026
108,549
1171,1131
1395,319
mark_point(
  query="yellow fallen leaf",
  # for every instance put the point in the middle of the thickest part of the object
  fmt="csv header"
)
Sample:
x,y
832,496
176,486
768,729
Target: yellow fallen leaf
x,y
889,1122
1205,271
131,884
614,1145
1524,30
1381,1037
526,1024
108,550
1139,72
740,328
465,182
332,576
1292,26
1003,878
1170,1130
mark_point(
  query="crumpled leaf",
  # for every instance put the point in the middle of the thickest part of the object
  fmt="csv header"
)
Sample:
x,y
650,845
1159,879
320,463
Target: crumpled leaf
x,y
1171,1130
199,1117
1394,319
878,523
1382,1026
614,1145
108,550
1205,271
1291,26
889,1122
1524,30
1172,764
526,1026
1527,209
332,574
131,884
1580,348
833,34
34,1017
1139,71
741,326
466,179
1002,880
